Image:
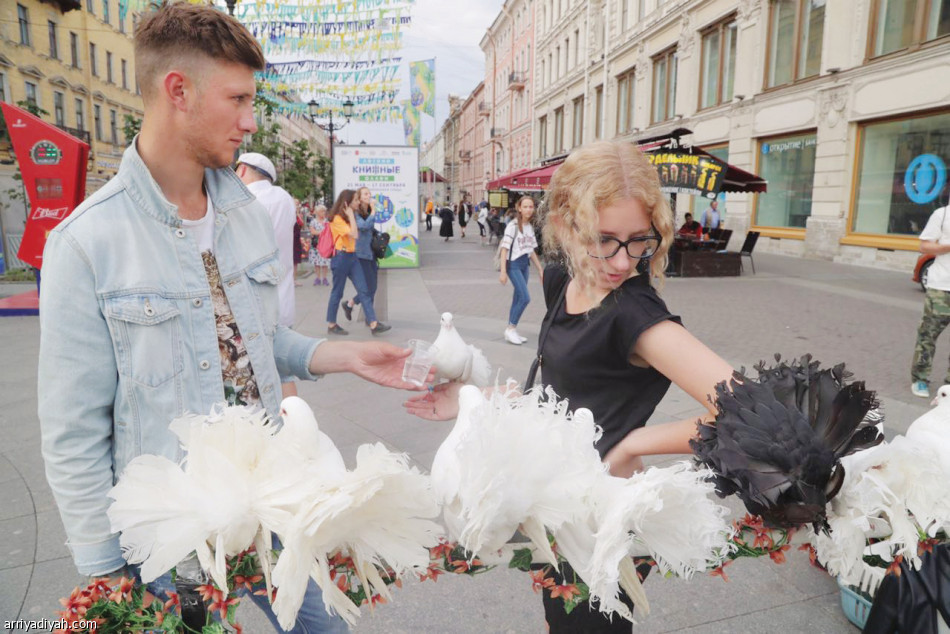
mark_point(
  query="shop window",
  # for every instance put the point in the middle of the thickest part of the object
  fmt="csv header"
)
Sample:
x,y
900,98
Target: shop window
x,y
577,123
664,85
719,64
902,175
788,164
698,205
901,24
796,28
625,92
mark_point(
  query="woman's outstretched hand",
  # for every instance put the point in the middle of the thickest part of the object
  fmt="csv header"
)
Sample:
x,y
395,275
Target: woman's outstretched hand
x,y
439,403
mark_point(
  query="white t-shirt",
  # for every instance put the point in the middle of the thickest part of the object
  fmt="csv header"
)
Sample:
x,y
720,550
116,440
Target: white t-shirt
x,y
202,229
283,214
524,241
938,230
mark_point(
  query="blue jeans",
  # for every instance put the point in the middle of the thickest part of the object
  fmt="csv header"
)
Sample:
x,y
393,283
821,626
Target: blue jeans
x,y
346,265
518,274
371,275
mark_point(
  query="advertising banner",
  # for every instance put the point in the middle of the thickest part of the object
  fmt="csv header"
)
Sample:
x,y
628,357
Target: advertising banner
x,y
422,85
392,175
53,165
410,124
684,173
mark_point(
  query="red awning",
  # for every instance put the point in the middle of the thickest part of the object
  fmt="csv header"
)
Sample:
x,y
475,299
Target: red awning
x,y
530,180
505,181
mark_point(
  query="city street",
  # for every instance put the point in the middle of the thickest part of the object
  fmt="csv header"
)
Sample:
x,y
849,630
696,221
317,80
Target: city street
x,y
862,316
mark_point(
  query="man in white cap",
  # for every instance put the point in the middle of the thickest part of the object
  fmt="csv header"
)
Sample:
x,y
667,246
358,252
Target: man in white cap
x,y
258,173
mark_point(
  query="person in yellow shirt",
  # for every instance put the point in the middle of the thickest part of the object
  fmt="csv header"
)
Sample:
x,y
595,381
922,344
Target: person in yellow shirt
x,y
430,208
345,264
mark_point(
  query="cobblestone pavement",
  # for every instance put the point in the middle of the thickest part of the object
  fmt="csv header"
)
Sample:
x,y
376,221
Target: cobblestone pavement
x,y
865,317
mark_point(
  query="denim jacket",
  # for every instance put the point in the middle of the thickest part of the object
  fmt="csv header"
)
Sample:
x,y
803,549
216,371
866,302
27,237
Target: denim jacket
x,y
365,238
128,338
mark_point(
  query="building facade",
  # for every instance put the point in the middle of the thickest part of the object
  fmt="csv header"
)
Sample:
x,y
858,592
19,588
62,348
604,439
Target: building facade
x,y
508,45
74,60
474,144
842,106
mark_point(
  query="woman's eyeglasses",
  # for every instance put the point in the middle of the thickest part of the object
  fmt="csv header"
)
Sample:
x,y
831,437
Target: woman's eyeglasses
x,y
638,248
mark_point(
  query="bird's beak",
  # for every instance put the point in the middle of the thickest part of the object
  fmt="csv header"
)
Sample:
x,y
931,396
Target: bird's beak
x,y
933,403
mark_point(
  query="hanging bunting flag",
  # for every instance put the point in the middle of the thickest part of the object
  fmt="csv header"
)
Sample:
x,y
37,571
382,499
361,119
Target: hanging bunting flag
x,y
422,85
410,123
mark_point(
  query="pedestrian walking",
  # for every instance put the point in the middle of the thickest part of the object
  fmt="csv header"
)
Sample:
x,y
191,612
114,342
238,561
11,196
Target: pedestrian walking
x,y
430,209
611,344
345,265
482,220
447,218
319,263
191,317
365,218
463,217
516,256
934,240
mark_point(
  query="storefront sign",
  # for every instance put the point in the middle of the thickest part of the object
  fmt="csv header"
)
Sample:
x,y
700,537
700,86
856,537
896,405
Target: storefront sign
x,y
53,165
392,175
925,177
498,199
684,173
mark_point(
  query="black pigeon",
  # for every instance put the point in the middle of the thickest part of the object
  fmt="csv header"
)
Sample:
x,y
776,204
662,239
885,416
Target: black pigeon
x,y
777,440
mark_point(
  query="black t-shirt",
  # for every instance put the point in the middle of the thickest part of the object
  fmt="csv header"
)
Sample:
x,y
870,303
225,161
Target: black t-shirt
x,y
586,357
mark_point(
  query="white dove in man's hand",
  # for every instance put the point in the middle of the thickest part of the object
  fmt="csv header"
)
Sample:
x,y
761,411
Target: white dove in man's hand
x,y
455,360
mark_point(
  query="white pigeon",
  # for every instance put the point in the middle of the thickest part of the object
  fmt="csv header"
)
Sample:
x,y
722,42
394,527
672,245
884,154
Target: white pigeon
x,y
933,428
378,515
526,461
455,360
211,504
301,434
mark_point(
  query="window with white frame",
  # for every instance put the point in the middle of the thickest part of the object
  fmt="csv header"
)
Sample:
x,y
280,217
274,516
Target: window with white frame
x,y
31,93
599,112
80,114
559,129
59,108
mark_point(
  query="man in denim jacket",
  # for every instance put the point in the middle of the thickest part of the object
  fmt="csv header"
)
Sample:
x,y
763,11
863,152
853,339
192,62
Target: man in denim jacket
x,y
160,291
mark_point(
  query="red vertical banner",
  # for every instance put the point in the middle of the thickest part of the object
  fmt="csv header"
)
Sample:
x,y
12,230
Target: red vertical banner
x,y
53,165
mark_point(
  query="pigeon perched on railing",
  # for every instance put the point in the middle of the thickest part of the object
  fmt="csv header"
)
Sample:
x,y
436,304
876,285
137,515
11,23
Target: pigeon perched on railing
x,y
777,441
455,360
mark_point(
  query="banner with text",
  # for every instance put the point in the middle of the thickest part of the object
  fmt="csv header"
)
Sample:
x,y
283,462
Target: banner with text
x,y
684,173
392,175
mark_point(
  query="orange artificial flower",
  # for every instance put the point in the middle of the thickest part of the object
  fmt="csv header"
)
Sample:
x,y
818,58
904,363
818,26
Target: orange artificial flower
x,y
721,570
568,592
778,555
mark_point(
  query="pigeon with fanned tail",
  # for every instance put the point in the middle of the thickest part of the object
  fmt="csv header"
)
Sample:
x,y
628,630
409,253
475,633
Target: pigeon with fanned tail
x,y
455,360
777,441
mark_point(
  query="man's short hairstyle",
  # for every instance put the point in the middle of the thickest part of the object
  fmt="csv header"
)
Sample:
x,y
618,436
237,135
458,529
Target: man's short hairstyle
x,y
178,32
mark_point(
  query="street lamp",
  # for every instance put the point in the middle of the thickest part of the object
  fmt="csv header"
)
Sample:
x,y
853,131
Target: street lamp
x,y
330,127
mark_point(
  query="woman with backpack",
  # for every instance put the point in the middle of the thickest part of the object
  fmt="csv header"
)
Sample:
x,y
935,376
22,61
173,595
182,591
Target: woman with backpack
x,y
345,264
516,254
365,217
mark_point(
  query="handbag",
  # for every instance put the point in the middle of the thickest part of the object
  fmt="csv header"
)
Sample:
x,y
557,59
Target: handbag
x,y
545,327
378,243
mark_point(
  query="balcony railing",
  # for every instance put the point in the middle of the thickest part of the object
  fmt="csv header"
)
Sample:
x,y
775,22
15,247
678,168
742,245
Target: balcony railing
x,y
484,109
465,155
516,80
82,135
497,133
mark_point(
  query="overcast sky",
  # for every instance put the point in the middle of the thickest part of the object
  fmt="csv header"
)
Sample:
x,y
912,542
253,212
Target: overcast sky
x,y
449,31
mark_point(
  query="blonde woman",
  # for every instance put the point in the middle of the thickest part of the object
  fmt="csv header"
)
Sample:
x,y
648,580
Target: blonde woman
x,y
612,345
515,256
